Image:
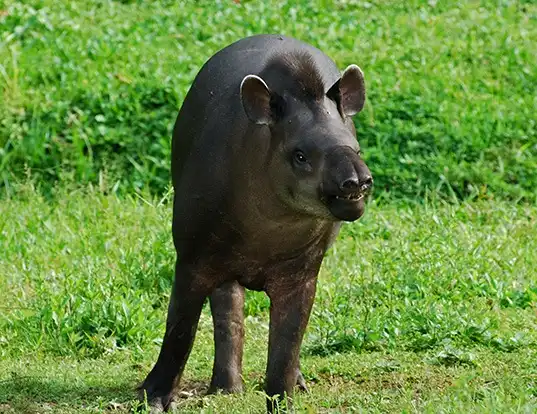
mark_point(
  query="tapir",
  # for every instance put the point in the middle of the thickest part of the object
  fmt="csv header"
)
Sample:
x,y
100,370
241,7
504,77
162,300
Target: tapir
x,y
265,168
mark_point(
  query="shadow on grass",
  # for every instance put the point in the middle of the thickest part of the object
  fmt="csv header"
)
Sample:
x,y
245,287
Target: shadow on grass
x,y
30,394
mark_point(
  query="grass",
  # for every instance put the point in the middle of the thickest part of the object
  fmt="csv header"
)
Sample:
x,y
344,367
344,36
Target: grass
x,y
93,86
372,382
420,308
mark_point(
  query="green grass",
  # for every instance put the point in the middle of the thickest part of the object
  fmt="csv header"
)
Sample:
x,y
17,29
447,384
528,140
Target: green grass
x,y
93,86
420,308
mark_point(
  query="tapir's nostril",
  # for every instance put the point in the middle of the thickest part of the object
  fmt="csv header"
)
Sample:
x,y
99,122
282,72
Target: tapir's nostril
x,y
350,184
366,183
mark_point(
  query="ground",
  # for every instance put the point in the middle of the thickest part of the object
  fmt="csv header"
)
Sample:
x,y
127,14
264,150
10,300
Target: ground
x,y
420,308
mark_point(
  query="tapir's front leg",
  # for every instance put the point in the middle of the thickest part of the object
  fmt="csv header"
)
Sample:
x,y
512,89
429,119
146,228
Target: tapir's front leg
x,y
289,314
184,311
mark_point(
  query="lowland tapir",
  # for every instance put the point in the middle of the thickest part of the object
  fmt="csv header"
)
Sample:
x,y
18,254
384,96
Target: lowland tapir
x,y
265,167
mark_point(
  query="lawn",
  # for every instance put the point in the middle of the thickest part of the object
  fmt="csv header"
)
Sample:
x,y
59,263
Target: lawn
x,y
427,304
94,85
419,307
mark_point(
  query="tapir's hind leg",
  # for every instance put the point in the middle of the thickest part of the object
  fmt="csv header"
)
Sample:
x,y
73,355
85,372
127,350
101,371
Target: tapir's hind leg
x,y
227,307
188,296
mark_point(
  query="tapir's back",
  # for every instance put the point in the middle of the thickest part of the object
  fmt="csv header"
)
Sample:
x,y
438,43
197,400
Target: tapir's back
x,y
212,114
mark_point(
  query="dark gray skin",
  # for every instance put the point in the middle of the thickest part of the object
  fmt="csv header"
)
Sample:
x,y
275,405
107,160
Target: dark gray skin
x,y
265,167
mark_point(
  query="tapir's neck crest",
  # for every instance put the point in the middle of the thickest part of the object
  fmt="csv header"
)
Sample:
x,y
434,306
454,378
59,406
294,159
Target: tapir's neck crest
x,y
299,73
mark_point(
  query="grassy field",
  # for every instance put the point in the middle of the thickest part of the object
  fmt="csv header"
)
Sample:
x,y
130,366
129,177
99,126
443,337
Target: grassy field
x,y
93,86
427,304
419,309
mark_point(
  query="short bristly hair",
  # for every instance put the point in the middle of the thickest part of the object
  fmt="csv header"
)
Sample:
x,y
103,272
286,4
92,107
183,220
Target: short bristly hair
x,y
297,73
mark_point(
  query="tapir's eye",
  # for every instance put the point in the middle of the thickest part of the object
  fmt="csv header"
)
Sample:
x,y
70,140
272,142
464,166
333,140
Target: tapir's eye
x,y
300,157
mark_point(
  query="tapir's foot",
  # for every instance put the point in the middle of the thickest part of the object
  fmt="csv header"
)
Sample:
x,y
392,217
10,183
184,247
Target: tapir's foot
x,y
225,390
227,384
156,403
301,383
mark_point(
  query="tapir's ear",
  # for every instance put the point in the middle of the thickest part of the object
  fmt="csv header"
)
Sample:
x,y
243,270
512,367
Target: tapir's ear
x,y
261,105
349,91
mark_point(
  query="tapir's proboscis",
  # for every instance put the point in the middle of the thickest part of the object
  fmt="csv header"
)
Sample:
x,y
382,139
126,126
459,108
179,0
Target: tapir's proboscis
x,y
265,167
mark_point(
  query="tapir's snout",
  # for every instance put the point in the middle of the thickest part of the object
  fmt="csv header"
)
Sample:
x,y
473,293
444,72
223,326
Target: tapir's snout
x,y
366,184
359,181
346,182
365,178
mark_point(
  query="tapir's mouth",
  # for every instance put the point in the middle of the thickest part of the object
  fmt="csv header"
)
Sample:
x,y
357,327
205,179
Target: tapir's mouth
x,y
346,207
350,197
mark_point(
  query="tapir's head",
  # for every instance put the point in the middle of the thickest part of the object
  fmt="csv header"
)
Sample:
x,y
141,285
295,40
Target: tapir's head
x,y
315,165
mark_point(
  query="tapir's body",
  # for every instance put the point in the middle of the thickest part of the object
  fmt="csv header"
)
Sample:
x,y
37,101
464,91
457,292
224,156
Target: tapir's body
x,y
265,165
218,156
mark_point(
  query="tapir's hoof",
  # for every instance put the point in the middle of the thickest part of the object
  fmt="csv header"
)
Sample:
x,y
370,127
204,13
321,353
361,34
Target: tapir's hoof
x,y
225,389
156,404
301,383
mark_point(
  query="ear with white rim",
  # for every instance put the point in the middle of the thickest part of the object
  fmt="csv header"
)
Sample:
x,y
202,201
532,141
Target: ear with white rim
x,y
256,100
349,91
